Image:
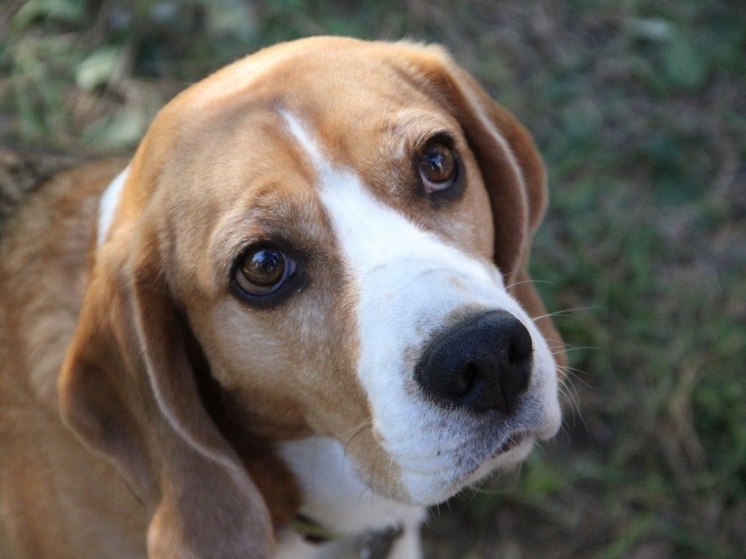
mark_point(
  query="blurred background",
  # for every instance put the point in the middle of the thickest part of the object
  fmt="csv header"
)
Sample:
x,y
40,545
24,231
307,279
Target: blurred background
x,y
639,107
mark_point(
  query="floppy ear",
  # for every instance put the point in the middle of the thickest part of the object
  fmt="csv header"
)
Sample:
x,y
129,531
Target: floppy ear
x,y
128,390
515,179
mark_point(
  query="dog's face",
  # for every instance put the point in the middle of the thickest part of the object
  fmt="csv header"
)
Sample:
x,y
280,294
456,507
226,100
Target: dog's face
x,y
344,227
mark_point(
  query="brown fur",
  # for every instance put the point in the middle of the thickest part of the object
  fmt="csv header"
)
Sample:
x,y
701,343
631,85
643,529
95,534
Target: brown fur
x,y
178,390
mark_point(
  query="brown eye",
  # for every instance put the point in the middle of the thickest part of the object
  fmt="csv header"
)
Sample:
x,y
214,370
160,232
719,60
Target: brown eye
x,y
438,166
263,270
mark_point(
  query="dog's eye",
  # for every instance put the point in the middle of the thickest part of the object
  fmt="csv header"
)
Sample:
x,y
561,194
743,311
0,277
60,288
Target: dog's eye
x,y
437,165
262,270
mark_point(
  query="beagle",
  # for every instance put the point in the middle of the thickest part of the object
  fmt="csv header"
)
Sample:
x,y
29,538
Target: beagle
x,y
305,297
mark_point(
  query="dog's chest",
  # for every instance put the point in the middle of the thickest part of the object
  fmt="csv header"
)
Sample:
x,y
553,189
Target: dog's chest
x,y
336,499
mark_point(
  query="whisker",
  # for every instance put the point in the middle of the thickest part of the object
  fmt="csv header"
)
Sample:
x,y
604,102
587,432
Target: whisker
x,y
575,374
575,348
570,394
567,312
389,477
564,431
571,376
433,513
532,281
485,490
357,431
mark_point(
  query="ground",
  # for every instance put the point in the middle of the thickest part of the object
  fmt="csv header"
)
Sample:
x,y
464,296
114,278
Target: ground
x,y
639,109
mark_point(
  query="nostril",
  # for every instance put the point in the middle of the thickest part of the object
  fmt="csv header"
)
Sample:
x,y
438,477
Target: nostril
x,y
468,378
516,374
520,347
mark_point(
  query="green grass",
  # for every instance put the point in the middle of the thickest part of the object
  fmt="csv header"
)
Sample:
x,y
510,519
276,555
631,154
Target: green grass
x,y
640,111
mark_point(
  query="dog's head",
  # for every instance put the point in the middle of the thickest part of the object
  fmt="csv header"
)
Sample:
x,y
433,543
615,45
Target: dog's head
x,y
329,237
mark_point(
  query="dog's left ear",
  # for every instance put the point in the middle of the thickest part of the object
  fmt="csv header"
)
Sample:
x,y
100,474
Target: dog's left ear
x,y
514,176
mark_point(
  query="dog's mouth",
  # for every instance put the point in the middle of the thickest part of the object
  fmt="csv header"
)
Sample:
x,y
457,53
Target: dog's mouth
x,y
510,443
511,451
493,455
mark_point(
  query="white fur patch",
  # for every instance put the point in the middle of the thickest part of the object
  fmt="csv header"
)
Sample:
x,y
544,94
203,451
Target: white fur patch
x,y
108,205
410,283
335,496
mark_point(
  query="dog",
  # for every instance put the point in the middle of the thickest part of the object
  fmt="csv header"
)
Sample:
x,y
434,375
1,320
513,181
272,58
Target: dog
x,y
304,301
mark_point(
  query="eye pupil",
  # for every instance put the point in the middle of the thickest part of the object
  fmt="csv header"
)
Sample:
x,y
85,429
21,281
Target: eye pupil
x,y
437,166
262,271
264,267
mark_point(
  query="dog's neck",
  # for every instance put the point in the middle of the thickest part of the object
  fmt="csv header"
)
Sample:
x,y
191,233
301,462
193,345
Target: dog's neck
x,y
336,498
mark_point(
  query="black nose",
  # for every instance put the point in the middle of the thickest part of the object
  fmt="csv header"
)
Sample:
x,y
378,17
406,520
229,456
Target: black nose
x,y
482,363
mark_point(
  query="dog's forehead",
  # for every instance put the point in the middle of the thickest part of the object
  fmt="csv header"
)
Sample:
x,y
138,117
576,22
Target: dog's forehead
x,y
346,89
364,106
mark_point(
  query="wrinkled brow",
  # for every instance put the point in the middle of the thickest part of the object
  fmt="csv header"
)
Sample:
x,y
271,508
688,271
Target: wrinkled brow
x,y
271,213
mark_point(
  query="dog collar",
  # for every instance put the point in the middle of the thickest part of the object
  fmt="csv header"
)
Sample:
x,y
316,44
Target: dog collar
x,y
312,531
372,544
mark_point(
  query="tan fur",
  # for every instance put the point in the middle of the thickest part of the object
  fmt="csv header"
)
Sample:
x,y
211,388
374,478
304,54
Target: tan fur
x,y
170,383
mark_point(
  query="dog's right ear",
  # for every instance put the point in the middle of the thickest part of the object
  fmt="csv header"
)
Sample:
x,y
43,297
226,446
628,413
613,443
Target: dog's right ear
x,y
127,389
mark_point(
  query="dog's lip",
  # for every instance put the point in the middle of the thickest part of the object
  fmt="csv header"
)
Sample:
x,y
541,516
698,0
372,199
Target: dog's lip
x,y
490,460
510,443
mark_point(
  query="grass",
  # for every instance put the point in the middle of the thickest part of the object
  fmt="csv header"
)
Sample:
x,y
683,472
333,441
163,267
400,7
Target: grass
x,y
639,109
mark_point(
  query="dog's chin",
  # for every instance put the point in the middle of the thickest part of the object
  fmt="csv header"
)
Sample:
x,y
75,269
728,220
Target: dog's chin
x,y
428,490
